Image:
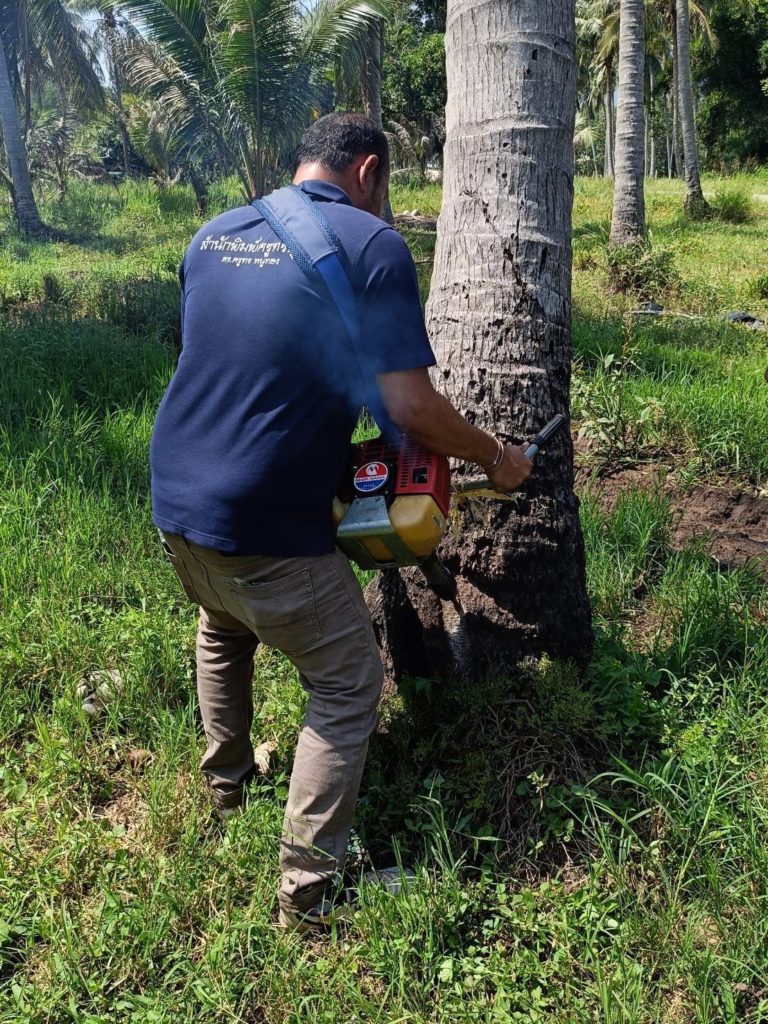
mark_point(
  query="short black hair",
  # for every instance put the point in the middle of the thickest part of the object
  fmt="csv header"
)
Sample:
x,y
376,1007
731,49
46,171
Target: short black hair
x,y
336,139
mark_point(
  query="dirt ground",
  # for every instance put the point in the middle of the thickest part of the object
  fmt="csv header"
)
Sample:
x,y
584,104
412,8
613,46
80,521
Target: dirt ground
x,y
730,517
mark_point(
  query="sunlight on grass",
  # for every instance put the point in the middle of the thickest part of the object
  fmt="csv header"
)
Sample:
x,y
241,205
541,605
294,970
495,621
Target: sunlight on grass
x,y
586,849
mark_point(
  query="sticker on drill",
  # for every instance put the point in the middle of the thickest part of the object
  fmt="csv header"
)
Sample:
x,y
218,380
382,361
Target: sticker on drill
x,y
371,477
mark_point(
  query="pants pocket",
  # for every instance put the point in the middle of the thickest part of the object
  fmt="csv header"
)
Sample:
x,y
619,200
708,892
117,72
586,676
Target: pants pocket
x,y
182,572
184,578
281,612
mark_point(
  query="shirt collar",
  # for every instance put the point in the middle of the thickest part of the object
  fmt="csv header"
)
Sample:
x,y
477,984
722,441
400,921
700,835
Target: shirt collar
x,y
326,190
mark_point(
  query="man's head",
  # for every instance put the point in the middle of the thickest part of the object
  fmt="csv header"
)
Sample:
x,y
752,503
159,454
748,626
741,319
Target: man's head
x,y
350,151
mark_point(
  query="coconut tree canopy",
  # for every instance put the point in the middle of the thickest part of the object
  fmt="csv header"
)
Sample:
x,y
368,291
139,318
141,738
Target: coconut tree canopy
x,y
245,75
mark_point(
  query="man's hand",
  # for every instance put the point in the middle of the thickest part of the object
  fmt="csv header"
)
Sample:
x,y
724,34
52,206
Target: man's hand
x,y
430,419
513,470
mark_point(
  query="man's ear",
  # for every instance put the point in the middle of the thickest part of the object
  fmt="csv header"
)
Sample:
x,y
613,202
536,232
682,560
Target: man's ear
x,y
366,174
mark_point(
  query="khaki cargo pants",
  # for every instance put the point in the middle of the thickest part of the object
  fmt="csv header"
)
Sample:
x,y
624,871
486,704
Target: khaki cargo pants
x,y
312,610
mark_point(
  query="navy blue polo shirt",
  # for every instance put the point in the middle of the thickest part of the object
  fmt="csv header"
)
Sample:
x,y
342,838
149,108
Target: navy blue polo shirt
x,y
250,440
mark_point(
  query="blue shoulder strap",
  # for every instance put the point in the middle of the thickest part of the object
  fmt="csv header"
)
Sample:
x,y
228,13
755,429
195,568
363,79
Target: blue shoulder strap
x,y
314,247
304,230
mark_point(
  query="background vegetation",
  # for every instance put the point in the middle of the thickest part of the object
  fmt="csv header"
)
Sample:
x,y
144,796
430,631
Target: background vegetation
x,y
586,849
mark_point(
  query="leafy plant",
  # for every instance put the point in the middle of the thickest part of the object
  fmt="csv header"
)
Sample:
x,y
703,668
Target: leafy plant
x,y
614,424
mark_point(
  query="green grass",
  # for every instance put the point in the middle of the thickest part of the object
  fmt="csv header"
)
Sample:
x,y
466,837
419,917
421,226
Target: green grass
x,y
587,850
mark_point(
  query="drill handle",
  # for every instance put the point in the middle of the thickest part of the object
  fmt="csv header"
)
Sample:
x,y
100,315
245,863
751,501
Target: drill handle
x,y
544,435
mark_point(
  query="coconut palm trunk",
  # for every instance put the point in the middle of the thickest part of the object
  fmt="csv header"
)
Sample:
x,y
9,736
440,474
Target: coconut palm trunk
x,y
667,136
651,132
695,203
370,82
499,320
628,221
676,146
608,164
24,203
111,34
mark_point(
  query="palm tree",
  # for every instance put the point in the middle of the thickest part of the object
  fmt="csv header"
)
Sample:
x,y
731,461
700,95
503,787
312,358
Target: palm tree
x,y
370,85
585,137
695,17
695,203
27,214
499,320
244,75
110,34
42,40
628,221
597,23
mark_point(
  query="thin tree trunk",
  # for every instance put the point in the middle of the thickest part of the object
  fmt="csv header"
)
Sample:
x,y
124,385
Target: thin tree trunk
x,y
499,319
612,107
594,156
121,119
652,140
628,221
676,147
24,203
667,139
110,29
23,22
647,144
370,85
608,165
695,203
200,188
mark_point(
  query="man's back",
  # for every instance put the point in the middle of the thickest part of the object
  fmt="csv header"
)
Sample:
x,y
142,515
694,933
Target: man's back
x,y
251,437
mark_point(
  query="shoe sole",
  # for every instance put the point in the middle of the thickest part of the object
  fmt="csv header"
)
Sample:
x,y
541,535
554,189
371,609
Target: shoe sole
x,y
301,926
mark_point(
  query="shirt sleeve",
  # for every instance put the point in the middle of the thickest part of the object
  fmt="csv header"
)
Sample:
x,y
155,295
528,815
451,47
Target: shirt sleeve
x,y
393,335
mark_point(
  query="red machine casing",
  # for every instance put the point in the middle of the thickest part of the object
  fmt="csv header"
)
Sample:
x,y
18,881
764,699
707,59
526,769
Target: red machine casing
x,y
413,470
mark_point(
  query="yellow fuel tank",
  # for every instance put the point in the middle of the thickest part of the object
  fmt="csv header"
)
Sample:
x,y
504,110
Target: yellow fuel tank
x,y
415,518
418,521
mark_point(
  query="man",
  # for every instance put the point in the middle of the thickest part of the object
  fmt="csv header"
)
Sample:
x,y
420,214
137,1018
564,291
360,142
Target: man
x,y
249,446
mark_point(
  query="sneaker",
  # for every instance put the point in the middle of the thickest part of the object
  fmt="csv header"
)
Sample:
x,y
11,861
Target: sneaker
x,y
343,904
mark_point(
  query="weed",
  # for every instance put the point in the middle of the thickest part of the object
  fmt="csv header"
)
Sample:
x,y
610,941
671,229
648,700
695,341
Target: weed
x,y
732,205
647,271
758,286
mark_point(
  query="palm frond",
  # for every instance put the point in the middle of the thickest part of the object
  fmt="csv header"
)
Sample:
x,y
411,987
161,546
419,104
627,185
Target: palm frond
x,y
333,27
180,29
73,61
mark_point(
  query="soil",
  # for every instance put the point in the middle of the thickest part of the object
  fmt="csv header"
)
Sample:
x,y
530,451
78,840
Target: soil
x,y
729,517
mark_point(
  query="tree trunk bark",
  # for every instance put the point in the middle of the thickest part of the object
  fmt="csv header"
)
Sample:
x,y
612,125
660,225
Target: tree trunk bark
x,y
23,23
667,138
200,188
652,135
110,29
371,89
695,203
499,319
676,147
608,166
24,203
628,221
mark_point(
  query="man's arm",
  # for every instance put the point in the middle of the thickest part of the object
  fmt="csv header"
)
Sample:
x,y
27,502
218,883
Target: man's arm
x,y
429,418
